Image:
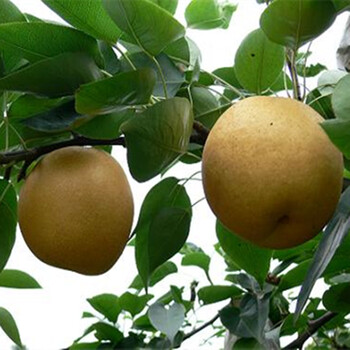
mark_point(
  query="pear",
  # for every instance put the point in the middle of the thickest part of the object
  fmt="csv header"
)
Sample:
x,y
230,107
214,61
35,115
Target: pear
x,y
271,175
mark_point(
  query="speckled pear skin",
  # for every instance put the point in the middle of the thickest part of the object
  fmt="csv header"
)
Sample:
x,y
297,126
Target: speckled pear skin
x,y
76,210
270,173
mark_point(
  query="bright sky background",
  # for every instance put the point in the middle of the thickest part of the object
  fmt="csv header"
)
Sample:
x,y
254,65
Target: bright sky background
x,y
50,318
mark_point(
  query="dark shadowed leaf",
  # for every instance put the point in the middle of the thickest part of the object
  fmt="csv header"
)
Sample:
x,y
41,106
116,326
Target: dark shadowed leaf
x,y
258,62
213,294
293,23
110,58
321,103
254,314
85,346
63,75
8,219
337,298
155,138
105,126
166,194
88,16
230,318
124,89
17,279
249,257
246,344
8,325
173,77
167,320
152,32
206,107
168,232
106,304
60,118
334,234
33,41
134,303
209,14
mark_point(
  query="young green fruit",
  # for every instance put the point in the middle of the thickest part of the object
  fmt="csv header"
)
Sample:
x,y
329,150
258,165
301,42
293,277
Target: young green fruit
x,y
270,173
76,210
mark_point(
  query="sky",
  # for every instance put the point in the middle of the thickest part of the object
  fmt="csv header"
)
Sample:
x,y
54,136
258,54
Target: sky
x,y
50,318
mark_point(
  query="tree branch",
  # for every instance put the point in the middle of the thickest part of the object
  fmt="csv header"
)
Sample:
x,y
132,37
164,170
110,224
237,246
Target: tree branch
x,y
314,326
28,156
204,325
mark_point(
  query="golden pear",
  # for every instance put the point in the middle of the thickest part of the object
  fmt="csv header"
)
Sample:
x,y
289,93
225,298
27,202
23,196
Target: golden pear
x,y
270,173
76,210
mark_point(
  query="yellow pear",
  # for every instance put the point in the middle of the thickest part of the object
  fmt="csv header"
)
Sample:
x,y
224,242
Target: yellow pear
x,y
76,210
270,173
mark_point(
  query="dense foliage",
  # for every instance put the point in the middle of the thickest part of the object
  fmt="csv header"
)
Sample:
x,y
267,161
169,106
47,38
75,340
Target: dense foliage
x,y
124,73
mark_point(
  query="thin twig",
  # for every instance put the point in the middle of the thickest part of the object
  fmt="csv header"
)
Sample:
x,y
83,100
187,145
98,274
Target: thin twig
x,y
314,326
203,326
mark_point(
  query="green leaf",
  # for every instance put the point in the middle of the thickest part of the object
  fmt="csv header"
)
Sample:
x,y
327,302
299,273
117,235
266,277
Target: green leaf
x,y
230,318
134,303
258,62
167,321
124,89
155,138
160,273
106,304
209,14
8,325
111,60
105,126
338,131
200,260
337,298
340,99
17,279
60,118
334,234
206,107
88,16
63,75
8,219
166,194
168,232
85,346
33,41
28,105
105,331
169,5
328,80
179,49
293,23
341,5
214,294
152,32
173,77
10,13
246,344
249,257
254,312
321,103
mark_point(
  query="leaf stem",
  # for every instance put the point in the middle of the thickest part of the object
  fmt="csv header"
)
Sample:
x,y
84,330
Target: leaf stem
x,y
291,63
